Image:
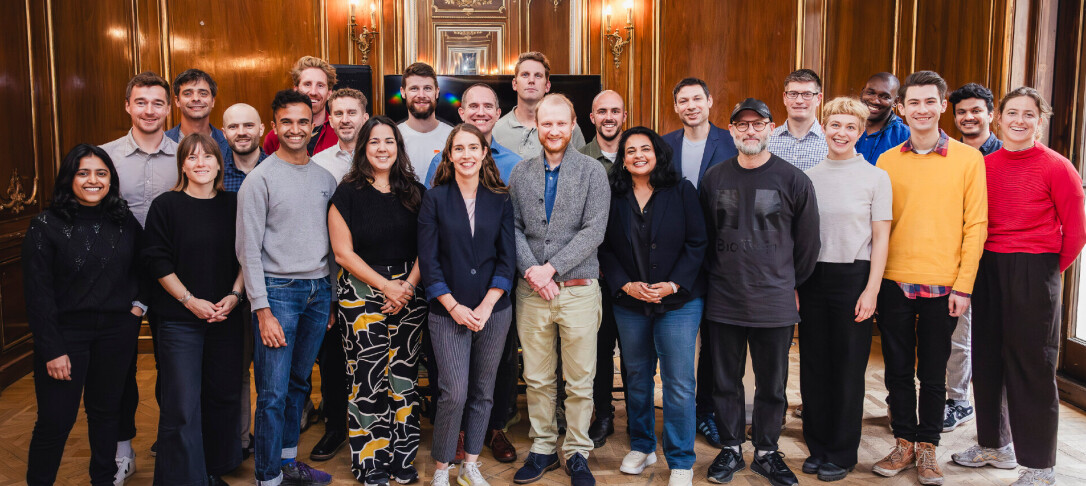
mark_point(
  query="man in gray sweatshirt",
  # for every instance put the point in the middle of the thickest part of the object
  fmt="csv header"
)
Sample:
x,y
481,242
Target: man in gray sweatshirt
x,y
282,244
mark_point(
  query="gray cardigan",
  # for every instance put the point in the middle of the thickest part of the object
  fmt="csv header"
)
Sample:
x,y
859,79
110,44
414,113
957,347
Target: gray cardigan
x,y
578,220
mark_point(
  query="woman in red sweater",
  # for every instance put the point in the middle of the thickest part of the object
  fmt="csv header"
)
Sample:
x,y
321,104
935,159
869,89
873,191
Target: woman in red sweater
x,y
1035,230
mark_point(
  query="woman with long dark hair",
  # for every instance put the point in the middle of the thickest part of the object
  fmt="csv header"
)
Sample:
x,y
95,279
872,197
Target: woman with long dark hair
x,y
652,257
189,249
467,255
372,224
80,281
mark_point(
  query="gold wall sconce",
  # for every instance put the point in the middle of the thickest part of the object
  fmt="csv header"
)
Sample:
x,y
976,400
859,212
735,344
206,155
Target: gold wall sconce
x,y
365,39
17,199
614,40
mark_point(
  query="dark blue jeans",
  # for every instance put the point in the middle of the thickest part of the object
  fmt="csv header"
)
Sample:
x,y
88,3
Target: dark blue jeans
x,y
198,419
302,308
671,337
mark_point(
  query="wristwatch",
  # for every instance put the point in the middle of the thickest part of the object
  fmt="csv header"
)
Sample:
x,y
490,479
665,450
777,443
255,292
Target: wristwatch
x,y
237,294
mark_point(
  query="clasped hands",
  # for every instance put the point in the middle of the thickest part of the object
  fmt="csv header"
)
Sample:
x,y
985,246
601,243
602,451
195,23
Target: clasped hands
x,y
397,294
651,293
212,313
541,278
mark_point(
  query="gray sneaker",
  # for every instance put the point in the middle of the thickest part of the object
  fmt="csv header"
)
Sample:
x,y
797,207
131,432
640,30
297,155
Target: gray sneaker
x,y
441,478
470,475
978,456
1036,477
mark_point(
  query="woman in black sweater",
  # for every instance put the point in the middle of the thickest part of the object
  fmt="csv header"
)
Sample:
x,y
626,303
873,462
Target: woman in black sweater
x,y
80,281
189,249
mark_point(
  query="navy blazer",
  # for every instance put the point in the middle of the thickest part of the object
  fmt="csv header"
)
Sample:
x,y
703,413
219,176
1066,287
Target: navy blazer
x,y
678,245
718,148
452,260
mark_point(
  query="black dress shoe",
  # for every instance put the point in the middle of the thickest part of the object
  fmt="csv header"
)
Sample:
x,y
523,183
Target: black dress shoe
x,y
829,471
600,429
329,445
726,464
216,481
772,467
811,465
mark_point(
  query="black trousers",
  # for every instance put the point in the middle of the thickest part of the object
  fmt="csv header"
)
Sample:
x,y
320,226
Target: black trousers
x,y
1016,335
100,347
769,357
130,399
833,360
703,394
334,385
606,338
915,336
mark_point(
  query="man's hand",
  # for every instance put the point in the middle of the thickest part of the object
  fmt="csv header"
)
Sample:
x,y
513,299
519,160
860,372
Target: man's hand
x,y
271,332
60,368
549,291
539,275
957,304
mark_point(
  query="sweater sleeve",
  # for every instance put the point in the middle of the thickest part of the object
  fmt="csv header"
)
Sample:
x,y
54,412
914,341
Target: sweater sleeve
x,y
39,256
157,255
806,239
974,224
1068,199
251,220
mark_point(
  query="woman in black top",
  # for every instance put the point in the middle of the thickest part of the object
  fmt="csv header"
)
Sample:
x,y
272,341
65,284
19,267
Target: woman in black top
x,y
189,249
652,253
81,284
372,226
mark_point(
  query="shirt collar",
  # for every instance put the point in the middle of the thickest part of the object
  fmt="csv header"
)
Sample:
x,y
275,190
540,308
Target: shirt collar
x,y
496,149
940,146
989,145
165,146
816,130
511,119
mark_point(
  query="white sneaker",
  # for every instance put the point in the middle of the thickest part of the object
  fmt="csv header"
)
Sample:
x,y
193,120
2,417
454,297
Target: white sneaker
x,y
978,456
681,477
441,477
470,475
635,462
1036,477
126,467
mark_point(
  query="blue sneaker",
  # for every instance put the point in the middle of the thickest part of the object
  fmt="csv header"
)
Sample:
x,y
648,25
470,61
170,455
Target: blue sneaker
x,y
706,426
535,465
577,468
299,473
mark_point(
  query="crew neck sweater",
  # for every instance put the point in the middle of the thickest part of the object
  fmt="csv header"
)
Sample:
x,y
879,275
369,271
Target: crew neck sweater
x,y
851,194
1035,203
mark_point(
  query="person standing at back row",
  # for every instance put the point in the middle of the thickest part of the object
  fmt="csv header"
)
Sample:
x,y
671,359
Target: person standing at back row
x,y
314,78
517,129
800,139
885,129
423,134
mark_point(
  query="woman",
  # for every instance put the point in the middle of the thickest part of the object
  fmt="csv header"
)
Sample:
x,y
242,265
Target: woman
x,y
189,249
652,255
836,303
1035,231
373,225
80,282
467,255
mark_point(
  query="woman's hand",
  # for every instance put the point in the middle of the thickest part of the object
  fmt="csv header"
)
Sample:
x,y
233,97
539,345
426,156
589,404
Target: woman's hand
x,y
483,312
865,307
396,292
663,289
224,307
201,308
465,317
394,306
59,368
642,291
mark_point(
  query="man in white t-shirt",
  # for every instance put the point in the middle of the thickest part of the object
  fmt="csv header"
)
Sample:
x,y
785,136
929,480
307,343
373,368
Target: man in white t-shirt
x,y
423,134
346,114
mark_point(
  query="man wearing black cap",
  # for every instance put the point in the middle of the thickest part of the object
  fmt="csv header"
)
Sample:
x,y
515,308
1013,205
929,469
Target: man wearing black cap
x,y
763,227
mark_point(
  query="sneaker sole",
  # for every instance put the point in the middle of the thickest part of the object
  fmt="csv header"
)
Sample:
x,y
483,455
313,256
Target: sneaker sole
x,y
996,464
889,473
649,460
464,482
834,477
545,470
934,481
728,478
757,470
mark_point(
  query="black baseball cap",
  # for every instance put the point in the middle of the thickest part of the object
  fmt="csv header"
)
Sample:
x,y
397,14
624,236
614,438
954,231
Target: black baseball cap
x,y
752,104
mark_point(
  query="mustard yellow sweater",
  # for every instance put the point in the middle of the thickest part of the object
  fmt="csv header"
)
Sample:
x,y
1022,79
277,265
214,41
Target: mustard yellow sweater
x,y
940,216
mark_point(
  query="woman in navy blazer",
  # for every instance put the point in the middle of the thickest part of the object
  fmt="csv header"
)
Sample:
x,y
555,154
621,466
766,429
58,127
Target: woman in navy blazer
x,y
467,256
652,255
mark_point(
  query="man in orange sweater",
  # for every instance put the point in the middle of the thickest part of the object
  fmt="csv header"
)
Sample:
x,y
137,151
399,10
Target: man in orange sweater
x,y
936,239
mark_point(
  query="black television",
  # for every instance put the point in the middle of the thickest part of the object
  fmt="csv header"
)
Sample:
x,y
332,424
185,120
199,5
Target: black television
x,y
580,89
356,76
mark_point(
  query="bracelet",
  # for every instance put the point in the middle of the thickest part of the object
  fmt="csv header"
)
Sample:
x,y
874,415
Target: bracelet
x,y
237,294
674,288
185,298
453,307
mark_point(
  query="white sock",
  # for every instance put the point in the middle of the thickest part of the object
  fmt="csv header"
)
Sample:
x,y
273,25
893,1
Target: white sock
x,y
735,448
124,449
763,453
1006,448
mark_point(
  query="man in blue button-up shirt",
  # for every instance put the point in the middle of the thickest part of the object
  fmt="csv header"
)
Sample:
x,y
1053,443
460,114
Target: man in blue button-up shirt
x,y
885,129
194,94
479,107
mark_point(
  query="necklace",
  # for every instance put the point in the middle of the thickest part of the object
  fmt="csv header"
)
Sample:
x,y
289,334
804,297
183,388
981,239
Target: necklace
x,y
380,187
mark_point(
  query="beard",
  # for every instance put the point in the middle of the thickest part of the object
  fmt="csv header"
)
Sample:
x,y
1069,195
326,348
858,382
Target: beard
x,y
424,114
252,148
560,150
748,150
609,138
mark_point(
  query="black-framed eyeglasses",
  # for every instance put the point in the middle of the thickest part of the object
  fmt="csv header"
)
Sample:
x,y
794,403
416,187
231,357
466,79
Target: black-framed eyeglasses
x,y
807,95
743,126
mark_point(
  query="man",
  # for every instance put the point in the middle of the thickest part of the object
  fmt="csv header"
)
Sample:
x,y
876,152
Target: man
x,y
347,114
242,129
973,106
761,213
479,107
800,140
423,134
194,94
884,128
517,129
695,148
287,281
146,166
560,205
314,78
937,236
608,116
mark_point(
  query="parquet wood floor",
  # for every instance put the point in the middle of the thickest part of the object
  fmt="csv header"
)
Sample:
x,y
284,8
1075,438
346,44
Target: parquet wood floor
x,y
18,413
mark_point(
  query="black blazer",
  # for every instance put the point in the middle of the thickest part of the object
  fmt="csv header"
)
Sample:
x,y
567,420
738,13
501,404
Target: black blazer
x,y
718,148
678,246
452,260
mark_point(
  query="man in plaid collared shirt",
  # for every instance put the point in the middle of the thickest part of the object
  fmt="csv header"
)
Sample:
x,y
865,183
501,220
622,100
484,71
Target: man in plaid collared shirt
x,y
800,140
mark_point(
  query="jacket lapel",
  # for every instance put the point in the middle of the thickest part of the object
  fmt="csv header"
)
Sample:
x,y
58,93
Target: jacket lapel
x,y
710,147
659,208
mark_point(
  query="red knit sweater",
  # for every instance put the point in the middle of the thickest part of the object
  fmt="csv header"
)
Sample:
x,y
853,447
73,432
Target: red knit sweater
x,y
1035,204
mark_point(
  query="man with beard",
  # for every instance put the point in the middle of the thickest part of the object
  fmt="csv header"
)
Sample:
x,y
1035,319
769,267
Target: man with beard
x,y
479,107
194,94
608,115
763,224
800,140
560,205
242,128
313,77
517,129
423,134
884,128
347,114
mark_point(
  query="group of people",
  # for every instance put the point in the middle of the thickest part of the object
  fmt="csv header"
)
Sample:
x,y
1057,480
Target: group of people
x,y
369,246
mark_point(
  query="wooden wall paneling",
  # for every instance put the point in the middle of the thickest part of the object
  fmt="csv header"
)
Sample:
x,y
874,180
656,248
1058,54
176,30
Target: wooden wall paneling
x,y
904,28
1068,124
811,38
150,51
547,31
859,37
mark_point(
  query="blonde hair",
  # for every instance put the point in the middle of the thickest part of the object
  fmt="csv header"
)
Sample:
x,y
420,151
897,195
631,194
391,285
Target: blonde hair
x,y
556,98
1045,110
846,105
307,62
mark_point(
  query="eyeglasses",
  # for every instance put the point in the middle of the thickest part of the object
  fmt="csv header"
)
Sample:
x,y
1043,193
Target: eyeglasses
x,y
743,126
807,95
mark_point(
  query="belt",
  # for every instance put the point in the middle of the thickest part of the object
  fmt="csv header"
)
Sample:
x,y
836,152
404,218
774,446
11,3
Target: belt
x,y
576,282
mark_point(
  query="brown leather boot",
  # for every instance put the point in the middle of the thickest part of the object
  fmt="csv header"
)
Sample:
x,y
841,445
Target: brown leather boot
x,y
901,458
501,446
927,466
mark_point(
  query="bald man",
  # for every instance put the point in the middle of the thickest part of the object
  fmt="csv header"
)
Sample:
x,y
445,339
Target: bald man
x,y
243,131
885,129
608,116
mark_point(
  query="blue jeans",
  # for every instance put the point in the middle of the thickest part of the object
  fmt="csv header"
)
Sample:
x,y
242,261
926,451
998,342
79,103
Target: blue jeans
x,y
670,337
302,308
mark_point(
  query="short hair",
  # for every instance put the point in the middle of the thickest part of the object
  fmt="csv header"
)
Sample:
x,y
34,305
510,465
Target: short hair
x,y
145,79
192,76
478,85
689,82
923,78
846,105
661,176
1042,104
307,62
188,147
288,97
803,76
348,93
556,98
537,57
973,90
420,69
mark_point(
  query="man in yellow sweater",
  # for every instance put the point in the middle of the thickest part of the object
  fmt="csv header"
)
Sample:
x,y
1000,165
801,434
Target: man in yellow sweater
x,y
936,239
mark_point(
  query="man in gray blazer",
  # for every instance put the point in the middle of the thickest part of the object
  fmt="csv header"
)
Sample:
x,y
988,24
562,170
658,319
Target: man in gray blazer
x,y
560,201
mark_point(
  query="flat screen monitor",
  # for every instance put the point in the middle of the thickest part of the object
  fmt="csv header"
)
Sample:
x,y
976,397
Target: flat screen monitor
x,y
356,76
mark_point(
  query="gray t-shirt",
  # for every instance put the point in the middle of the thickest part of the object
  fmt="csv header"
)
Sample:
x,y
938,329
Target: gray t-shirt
x,y
692,154
851,194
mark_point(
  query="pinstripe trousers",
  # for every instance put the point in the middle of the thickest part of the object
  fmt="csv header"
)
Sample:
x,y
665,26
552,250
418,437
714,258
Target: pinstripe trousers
x,y
468,364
